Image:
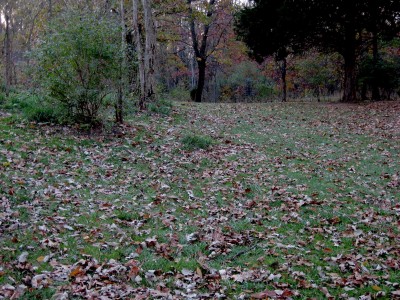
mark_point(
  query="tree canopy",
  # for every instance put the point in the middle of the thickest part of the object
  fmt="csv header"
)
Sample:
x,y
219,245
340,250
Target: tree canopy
x,y
275,27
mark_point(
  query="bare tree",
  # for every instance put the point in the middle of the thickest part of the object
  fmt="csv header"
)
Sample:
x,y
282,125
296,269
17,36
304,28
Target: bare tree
x,y
8,49
150,50
120,100
145,42
200,49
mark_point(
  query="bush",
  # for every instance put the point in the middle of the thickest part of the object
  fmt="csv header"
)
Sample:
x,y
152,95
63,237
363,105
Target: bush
x,y
246,82
317,75
162,107
385,74
41,114
179,93
192,142
78,63
33,107
2,98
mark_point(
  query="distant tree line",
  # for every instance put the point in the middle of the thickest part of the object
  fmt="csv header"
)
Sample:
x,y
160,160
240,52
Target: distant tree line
x,y
85,58
353,29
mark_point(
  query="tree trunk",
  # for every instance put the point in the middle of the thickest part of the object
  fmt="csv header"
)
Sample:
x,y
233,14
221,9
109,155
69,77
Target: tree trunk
x,y
350,78
139,51
375,88
192,73
150,50
350,64
201,80
283,77
200,51
7,49
120,101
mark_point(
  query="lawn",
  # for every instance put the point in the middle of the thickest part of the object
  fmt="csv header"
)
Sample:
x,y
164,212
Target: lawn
x,y
213,201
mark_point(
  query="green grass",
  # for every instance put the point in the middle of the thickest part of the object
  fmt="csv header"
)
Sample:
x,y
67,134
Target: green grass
x,y
305,191
192,142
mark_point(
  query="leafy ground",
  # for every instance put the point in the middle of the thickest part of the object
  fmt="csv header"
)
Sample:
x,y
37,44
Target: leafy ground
x,y
293,200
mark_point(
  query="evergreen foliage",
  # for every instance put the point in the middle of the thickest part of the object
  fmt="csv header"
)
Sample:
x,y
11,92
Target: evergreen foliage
x,y
347,27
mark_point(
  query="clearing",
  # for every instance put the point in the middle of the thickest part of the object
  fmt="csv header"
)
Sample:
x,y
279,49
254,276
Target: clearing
x,y
296,200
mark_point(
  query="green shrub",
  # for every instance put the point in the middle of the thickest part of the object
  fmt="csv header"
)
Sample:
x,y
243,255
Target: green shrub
x,y
41,114
178,94
246,82
385,74
33,107
16,102
78,63
2,98
162,107
192,142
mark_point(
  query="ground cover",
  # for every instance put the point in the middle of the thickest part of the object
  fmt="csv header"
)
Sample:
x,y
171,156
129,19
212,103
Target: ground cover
x,y
262,201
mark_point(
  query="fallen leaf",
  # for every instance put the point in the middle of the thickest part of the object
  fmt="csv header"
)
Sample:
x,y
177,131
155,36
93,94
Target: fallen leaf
x,y
264,295
396,293
77,272
23,257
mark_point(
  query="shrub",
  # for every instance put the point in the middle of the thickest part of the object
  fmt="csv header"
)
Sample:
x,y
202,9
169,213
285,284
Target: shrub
x,y
385,74
317,75
179,93
162,107
41,114
192,142
35,108
2,98
78,63
246,82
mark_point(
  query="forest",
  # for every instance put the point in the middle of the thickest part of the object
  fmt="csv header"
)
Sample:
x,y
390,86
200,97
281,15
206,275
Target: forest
x,y
199,149
76,59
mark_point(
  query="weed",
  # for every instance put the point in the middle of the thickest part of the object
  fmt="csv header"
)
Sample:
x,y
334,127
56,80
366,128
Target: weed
x,y
162,107
193,142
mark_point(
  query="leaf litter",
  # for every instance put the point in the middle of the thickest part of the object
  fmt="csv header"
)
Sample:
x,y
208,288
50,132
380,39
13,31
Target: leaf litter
x,y
294,201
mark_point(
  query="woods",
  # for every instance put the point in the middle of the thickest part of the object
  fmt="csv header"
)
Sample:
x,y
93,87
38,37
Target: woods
x,y
193,50
199,149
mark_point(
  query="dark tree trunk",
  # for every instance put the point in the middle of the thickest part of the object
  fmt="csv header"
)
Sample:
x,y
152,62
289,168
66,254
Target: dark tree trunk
x,y
350,82
201,80
139,53
375,88
200,50
349,53
120,100
350,75
283,77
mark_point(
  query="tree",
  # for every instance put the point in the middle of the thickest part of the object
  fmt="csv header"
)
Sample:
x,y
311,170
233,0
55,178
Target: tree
x,y
120,101
8,48
381,25
384,74
345,27
332,26
317,73
273,27
200,48
145,42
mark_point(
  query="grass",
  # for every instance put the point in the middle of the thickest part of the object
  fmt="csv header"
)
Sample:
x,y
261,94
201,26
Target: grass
x,y
192,142
305,192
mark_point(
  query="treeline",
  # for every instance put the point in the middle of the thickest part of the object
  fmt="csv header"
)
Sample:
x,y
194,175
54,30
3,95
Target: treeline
x,y
356,30
84,59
